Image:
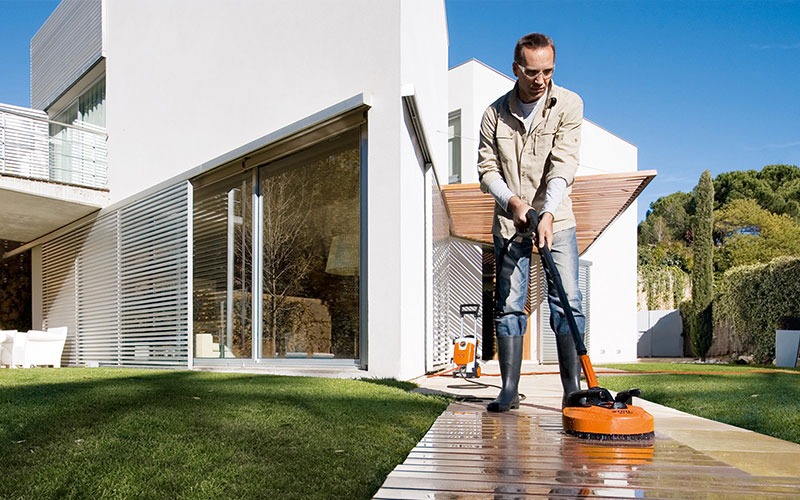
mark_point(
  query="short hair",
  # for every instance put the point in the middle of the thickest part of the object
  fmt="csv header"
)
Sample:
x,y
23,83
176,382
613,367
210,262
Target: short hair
x,y
533,41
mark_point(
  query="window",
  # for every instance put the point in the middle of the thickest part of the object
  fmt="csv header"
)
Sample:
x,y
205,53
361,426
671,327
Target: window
x,y
454,148
74,153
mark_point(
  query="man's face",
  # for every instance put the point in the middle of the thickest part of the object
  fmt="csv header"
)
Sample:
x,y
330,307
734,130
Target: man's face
x,y
534,72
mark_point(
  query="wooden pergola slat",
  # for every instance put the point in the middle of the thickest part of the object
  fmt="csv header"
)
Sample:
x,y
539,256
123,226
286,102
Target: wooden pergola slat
x,y
597,201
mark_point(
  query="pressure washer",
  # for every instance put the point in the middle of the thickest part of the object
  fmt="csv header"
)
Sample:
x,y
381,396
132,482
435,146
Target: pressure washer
x,y
594,413
465,347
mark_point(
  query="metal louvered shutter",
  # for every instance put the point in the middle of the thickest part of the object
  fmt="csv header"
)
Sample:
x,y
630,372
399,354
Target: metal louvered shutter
x,y
67,45
24,143
466,287
584,278
59,267
97,304
457,280
547,340
437,355
121,284
154,279
439,347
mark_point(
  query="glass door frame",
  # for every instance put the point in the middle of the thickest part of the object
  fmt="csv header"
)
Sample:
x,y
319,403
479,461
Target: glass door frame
x,y
257,268
354,120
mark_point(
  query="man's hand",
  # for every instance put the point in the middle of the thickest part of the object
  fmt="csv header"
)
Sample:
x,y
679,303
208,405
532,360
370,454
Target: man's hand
x,y
545,231
519,210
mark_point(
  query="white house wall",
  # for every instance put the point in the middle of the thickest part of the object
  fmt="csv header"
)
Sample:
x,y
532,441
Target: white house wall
x,y
423,64
613,255
206,77
473,86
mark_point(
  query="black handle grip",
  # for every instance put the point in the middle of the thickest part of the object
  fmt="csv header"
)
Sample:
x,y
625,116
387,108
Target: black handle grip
x,y
469,310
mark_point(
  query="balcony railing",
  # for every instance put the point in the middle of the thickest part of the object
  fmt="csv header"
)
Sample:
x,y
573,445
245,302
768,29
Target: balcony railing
x,y
72,154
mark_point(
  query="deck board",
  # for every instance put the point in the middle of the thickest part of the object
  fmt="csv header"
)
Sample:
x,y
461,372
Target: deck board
x,y
470,453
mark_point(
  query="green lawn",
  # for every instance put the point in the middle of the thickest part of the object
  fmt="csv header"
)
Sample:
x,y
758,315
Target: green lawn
x,y
117,433
768,403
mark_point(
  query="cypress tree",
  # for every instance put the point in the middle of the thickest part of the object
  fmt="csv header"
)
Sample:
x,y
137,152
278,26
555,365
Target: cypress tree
x,y
701,332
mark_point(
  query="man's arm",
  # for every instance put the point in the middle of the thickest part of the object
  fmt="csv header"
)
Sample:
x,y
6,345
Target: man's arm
x,y
491,178
565,155
564,160
488,164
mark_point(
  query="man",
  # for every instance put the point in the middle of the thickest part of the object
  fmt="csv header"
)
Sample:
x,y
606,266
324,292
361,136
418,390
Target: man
x,y
527,158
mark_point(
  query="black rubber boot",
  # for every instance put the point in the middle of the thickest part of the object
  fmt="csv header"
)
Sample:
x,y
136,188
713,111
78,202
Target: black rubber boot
x,y
569,364
509,352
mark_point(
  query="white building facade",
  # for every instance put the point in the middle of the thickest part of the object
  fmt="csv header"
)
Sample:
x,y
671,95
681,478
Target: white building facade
x,y
271,197
269,202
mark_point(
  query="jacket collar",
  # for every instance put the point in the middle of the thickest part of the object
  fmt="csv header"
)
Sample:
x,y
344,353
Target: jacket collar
x,y
515,108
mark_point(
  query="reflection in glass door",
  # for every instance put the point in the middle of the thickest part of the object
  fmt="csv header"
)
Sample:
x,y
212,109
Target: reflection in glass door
x,y
223,270
310,247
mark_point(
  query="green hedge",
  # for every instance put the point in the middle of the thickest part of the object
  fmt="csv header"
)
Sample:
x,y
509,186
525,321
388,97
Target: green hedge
x,y
757,297
664,286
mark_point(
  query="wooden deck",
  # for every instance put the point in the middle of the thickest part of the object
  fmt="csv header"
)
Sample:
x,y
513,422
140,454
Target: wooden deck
x,y
470,453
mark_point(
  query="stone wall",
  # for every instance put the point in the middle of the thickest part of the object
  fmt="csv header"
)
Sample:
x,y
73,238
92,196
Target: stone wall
x,y
15,289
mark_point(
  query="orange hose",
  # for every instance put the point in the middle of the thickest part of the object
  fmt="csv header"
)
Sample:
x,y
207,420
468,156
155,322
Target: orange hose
x,y
619,372
445,373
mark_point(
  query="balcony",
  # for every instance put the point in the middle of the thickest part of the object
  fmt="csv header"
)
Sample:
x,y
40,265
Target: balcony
x,y
72,154
51,174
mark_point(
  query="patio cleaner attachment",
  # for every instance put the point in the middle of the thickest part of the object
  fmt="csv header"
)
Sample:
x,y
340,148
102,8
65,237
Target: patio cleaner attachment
x,y
465,347
594,413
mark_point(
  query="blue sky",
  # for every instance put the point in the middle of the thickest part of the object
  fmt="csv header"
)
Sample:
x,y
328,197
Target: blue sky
x,y
694,84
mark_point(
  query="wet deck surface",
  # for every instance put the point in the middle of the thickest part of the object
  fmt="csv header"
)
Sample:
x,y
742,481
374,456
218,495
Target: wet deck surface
x,y
470,453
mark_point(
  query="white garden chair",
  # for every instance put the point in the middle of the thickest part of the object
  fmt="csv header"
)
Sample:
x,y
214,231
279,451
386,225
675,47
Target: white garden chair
x,y
38,348
10,347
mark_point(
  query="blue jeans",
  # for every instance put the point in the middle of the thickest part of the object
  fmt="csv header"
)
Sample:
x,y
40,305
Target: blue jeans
x,y
513,274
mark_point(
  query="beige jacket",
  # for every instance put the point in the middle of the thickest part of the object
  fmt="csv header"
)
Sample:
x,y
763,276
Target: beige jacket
x,y
528,161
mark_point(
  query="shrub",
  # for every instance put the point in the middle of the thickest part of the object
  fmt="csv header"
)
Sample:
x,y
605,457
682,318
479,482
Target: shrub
x,y
756,297
789,323
686,309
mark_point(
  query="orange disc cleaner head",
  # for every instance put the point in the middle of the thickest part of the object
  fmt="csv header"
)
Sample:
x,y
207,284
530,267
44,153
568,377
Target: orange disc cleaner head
x,y
595,414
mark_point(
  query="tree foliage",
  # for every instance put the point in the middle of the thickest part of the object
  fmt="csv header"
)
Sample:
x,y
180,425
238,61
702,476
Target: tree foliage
x,y
703,269
775,188
669,219
666,254
664,287
666,236
746,233
701,330
756,219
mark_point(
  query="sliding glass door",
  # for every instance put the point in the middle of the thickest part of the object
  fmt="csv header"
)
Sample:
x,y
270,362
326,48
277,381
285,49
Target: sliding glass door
x,y
222,279
295,286
310,252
